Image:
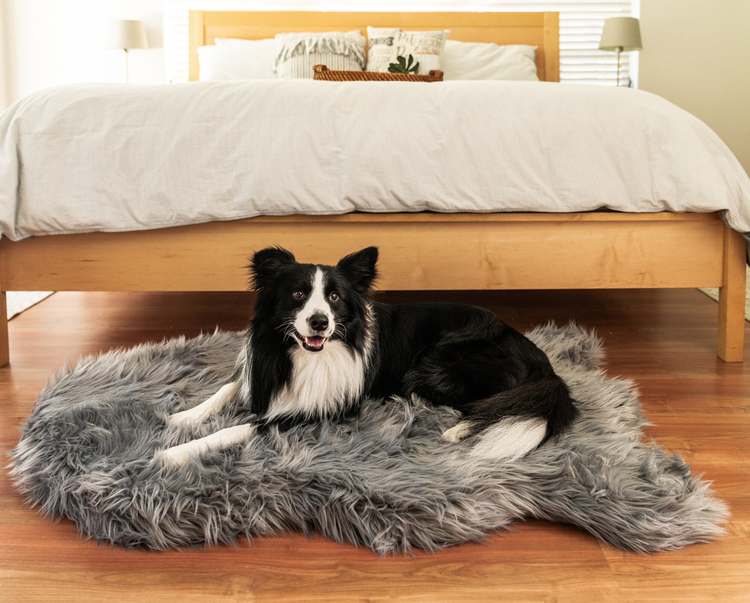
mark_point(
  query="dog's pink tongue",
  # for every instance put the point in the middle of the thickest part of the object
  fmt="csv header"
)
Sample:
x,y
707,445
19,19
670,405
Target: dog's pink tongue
x,y
316,342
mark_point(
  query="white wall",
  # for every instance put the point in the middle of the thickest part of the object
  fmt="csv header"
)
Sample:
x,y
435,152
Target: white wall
x,y
696,54
51,42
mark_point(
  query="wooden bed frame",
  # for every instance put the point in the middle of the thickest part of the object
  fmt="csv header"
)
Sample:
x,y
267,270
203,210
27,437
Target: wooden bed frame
x,y
418,251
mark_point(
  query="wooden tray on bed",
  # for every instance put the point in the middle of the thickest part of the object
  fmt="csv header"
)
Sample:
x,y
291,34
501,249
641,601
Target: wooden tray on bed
x,y
330,75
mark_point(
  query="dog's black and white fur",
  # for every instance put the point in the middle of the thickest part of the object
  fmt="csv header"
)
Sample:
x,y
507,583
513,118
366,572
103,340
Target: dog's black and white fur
x,y
318,344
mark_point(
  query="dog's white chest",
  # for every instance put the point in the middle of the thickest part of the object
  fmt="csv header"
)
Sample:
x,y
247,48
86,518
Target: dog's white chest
x,y
322,382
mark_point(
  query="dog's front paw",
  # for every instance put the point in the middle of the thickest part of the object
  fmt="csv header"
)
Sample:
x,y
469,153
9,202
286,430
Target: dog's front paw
x,y
186,418
174,457
458,432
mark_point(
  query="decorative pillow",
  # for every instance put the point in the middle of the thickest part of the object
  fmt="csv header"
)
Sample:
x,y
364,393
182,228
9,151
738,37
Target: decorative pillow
x,y
298,53
387,44
477,61
233,59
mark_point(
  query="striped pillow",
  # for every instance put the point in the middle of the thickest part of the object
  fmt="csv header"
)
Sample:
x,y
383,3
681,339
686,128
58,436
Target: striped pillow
x,y
298,53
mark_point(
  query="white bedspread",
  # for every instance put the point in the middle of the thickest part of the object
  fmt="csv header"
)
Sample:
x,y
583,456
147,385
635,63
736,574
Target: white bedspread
x,y
113,157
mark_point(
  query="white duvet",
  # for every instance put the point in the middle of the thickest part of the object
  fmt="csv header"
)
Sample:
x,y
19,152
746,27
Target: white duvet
x,y
111,157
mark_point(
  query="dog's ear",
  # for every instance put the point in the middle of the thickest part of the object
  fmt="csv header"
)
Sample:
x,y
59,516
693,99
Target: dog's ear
x,y
266,264
359,268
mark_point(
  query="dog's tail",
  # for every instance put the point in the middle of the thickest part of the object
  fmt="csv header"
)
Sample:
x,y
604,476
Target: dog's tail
x,y
513,423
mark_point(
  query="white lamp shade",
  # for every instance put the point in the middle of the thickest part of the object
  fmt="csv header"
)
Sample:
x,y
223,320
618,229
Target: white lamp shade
x,y
621,32
126,34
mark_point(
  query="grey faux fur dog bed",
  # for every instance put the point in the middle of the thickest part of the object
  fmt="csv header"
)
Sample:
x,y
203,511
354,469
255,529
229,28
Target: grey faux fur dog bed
x,y
384,479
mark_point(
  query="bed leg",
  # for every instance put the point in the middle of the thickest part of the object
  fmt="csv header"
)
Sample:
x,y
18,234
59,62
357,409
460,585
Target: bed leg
x,y
732,298
4,347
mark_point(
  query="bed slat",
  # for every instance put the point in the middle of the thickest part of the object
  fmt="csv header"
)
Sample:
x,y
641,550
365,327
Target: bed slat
x,y
418,252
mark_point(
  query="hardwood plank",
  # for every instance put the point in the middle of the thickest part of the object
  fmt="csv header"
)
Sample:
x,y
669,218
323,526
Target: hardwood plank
x,y
300,569
4,343
664,340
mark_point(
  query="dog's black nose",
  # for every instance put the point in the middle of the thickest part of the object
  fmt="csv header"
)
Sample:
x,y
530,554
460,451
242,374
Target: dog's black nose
x,y
318,322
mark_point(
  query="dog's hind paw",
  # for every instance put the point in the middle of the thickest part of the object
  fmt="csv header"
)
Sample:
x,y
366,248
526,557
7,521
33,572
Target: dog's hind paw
x,y
458,432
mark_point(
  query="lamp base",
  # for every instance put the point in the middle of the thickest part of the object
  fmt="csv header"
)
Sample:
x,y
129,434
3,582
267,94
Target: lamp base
x,y
619,50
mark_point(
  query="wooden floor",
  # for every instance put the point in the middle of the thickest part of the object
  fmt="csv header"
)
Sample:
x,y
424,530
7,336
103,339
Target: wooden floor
x,y
664,340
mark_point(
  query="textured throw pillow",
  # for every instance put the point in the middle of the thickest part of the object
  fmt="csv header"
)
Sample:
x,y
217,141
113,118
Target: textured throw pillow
x,y
233,59
387,44
298,53
477,61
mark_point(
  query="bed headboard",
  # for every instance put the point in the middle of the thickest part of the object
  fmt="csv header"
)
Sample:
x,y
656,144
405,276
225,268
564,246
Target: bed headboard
x,y
540,29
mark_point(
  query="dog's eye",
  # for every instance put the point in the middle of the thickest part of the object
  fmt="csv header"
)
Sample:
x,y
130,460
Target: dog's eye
x,y
333,296
298,294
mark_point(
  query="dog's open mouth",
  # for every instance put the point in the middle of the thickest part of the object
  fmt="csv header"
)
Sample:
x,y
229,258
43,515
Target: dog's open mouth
x,y
313,343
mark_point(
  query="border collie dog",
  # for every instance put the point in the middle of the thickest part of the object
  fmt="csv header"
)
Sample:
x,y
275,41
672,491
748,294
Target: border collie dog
x,y
318,345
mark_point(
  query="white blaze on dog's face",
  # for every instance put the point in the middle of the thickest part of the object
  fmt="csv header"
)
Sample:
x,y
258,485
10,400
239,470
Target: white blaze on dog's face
x,y
315,321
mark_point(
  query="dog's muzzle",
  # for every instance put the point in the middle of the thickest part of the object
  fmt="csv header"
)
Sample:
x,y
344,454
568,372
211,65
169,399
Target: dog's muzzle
x,y
312,343
318,323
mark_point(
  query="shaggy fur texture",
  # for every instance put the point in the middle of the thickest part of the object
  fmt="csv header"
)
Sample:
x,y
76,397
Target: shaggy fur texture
x,y
384,479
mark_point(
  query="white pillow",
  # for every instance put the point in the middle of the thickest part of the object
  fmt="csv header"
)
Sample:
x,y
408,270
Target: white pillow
x,y
388,43
478,61
233,59
298,53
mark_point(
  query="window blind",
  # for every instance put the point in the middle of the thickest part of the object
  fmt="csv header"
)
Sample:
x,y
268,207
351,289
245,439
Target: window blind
x,y
581,24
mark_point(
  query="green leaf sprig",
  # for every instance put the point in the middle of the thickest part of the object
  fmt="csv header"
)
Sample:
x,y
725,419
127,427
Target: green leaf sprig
x,y
403,66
